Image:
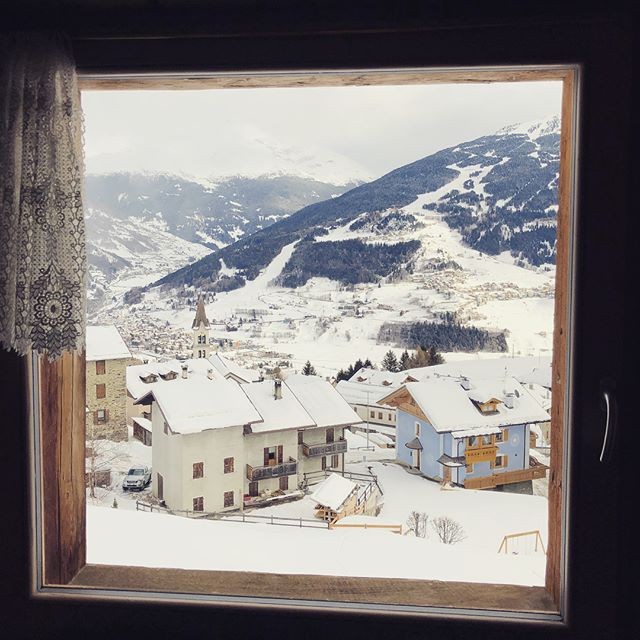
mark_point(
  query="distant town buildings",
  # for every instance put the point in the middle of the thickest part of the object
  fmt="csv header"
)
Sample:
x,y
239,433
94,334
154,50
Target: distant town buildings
x,y
107,359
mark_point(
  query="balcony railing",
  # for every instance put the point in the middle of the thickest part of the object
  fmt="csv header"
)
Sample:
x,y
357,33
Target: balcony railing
x,y
288,468
325,448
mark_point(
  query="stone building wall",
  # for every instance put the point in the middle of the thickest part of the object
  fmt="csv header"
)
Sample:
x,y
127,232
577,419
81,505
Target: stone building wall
x,y
114,402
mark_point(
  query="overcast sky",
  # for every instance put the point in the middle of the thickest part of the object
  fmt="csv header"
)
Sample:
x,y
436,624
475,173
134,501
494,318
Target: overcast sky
x,y
330,133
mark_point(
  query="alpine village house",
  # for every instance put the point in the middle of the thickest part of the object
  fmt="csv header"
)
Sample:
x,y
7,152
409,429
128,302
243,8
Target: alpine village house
x,y
471,432
107,360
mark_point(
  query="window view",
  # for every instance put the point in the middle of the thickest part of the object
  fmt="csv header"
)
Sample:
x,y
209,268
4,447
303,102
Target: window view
x,y
320,321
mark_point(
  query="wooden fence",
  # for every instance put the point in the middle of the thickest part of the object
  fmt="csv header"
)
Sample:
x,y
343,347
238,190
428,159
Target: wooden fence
x,y
394,528
235,517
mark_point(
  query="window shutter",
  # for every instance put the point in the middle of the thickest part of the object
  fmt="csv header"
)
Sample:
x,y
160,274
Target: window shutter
x,y
280,454
266,456
95,417
106,415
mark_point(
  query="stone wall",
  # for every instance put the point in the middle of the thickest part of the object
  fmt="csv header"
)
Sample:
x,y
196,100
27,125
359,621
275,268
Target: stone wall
x,y
114,402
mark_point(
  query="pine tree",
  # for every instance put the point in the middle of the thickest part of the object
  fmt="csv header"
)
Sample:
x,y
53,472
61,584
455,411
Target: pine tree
x,y
308,369
390,362
405,361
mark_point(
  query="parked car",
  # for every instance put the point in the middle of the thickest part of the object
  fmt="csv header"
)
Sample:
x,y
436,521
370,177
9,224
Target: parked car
x,y
137,478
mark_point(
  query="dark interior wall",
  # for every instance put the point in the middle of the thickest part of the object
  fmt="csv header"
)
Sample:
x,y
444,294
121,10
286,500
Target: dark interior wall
x,y
272,35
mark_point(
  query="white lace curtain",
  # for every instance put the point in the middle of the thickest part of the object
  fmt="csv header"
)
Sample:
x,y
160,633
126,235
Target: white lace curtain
x,y
42,241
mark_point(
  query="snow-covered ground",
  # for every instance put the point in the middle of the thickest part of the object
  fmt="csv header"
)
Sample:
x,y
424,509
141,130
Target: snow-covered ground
x,y
485,516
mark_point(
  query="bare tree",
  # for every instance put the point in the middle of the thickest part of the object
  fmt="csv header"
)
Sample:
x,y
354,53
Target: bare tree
x,y
448,530
417,524
100,453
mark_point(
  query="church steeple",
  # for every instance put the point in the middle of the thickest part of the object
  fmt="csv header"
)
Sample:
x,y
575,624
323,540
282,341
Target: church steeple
x,y
200,328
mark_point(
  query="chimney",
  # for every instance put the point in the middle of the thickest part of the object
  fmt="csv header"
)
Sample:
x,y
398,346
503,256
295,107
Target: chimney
x,y
466,385
210,374
509,400
277,389
185,374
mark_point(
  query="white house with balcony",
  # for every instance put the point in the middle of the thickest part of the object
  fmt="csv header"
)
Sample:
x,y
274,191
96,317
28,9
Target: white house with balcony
x,y
219,445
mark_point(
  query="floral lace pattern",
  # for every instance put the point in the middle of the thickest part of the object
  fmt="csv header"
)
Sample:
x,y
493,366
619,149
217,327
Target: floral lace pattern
x,y
42,238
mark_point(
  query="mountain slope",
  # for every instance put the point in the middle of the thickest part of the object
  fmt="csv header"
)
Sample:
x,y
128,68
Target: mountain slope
x,y
499,191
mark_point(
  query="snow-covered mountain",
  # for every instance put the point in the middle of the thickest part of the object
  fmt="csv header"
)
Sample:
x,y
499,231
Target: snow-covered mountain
x,y
142,226
499,192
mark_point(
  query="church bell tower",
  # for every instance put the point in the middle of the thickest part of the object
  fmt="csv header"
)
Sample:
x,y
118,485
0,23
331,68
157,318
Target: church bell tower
x,y
201,328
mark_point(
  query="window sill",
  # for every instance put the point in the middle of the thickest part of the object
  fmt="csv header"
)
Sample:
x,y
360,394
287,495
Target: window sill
x,y
320,591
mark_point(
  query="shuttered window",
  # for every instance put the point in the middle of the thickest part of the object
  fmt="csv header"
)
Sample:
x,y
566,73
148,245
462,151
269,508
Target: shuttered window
x,y
228,498
198,470
101,367
228,465
101,391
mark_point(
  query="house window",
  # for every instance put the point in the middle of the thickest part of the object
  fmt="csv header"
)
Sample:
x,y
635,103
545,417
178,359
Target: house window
x,y
198,504
372,414
502,436
101,391
486,441
100,416
390,417
417,429
283,483
272,455
473,441
379,415
323,463
198,470
335,461
228,499
500,462
228,465
254,489
329,436
300,437
101,367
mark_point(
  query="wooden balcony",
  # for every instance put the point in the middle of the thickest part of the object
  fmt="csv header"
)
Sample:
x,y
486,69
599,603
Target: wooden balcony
x,y
535,471
325,448
288,468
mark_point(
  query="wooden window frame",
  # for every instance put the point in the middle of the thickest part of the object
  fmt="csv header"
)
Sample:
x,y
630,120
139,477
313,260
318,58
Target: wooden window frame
x,y
101,387
228,499
62,384
198,503
101,367
228,465
197,470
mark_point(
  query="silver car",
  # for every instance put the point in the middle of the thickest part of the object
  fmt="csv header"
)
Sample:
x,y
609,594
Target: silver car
x,y
137,479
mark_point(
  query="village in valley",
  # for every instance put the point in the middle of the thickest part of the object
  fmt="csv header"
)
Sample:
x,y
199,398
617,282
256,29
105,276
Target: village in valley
x,y
413,472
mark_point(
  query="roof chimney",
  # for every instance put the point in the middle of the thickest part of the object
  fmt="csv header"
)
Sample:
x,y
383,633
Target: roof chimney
x,y
210,374
277,389
185,374
466,384
509,400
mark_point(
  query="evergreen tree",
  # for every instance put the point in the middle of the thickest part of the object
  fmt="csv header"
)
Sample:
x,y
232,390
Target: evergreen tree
x,y
434,357
390,362
308,369
405,361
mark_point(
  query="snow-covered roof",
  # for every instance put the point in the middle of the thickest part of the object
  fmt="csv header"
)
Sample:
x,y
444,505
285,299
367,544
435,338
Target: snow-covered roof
x,y
143,422
322,402
104,342
196,405
525,369
362,393
333,491
449,408
196,368
284,413
226,368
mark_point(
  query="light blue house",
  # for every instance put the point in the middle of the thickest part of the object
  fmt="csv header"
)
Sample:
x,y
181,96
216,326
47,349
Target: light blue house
x,y
470,432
